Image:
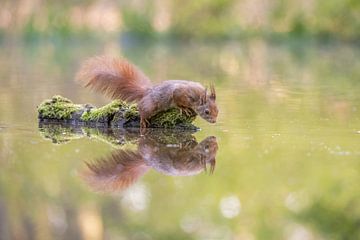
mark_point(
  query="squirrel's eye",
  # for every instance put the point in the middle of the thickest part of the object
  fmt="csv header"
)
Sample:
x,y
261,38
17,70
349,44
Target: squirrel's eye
x,y
207,111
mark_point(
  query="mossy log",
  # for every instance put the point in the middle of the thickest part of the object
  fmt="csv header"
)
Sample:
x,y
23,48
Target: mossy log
x,y
117,114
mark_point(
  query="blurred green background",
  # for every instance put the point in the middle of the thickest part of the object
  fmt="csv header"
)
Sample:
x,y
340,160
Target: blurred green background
x,y
185,19
287,75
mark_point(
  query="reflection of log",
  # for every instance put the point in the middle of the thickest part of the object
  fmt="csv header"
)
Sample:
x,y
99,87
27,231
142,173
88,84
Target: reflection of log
x,y
63,132
115,114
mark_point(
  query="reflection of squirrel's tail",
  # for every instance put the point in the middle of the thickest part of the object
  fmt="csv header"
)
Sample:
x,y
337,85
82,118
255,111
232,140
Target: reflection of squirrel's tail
x,y
114,173
116,78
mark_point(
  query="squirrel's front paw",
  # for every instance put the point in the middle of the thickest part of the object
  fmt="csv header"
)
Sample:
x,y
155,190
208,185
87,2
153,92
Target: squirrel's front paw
x,y
187,111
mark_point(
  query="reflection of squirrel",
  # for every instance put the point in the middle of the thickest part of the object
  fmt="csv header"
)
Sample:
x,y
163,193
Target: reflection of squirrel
x,y
120,79
124,167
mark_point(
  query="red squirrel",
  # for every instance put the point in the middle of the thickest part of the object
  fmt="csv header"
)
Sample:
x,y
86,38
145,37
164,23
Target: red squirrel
x,y
119,79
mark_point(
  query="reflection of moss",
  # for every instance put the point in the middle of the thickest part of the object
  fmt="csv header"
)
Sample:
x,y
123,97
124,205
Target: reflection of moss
x,y
63,133
105,136
103,112
57,107
171,136
171,118
59,134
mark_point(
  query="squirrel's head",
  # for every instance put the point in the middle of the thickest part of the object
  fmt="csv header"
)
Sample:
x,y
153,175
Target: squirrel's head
x,y
207,108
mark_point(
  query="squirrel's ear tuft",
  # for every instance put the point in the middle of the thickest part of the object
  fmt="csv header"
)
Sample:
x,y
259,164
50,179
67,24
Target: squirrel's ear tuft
x,y
203,98
212,92
205,95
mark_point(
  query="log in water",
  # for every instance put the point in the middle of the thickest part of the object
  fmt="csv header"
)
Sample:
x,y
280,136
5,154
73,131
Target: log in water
x,y
117,114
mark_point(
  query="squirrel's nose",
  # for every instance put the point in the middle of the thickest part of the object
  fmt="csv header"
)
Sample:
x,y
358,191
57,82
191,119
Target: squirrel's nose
x,y
212,120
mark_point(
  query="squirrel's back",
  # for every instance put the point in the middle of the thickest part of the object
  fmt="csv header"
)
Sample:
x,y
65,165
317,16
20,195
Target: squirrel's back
x,y
116,78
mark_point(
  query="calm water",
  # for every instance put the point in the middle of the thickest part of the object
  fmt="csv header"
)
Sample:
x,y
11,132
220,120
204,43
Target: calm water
x,y
287,147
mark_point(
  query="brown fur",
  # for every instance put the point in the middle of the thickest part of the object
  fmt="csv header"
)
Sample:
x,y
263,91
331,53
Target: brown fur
x,y
119,79
116,78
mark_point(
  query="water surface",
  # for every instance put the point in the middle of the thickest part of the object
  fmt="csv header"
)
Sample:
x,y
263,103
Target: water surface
x,y
287,159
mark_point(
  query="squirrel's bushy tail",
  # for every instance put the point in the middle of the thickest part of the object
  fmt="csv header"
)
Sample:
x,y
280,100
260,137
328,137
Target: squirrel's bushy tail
x,y
116,78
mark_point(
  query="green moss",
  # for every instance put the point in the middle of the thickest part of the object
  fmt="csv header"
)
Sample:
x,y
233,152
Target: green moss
x,y
171,118
57,107
60,108
104,112
131,112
